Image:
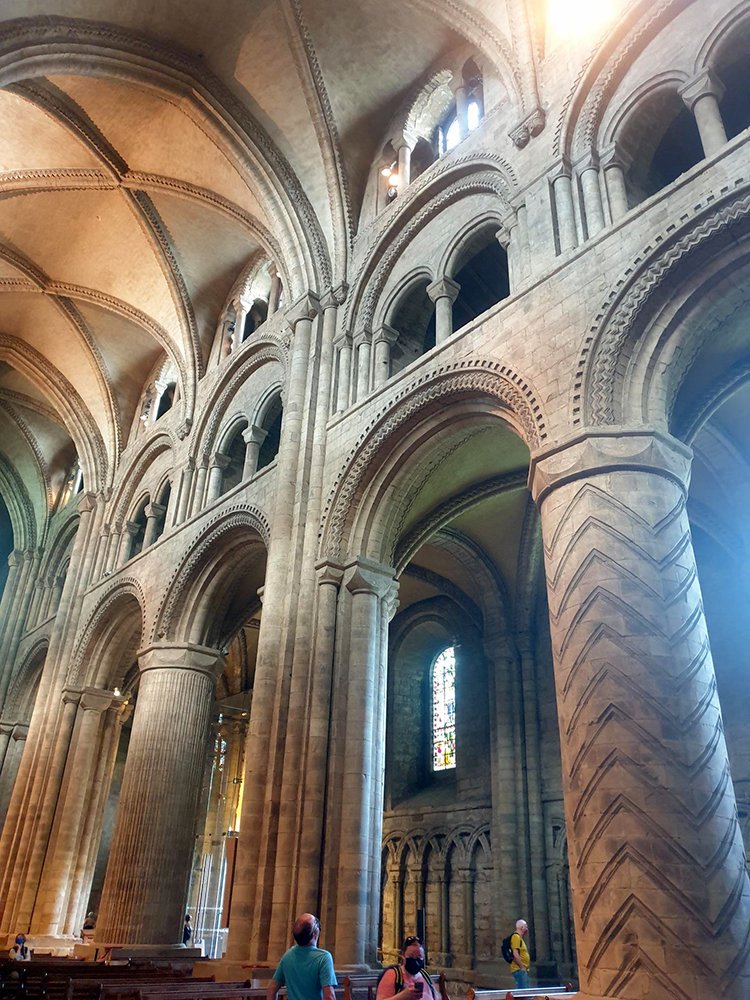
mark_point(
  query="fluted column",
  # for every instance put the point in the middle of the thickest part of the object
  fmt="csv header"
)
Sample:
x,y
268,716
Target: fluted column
x,y
35,835
592,195
702,95
443,293
566,222
253,437
90,838
49,909
383,338
15,737
366,583
219,463
661,896
152,846
344,356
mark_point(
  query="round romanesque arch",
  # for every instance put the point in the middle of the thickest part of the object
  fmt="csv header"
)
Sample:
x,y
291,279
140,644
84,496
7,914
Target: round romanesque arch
x,y
111,636
217,579
481,387
611,385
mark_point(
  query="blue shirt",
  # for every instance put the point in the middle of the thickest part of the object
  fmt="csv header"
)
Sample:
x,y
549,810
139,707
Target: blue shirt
x,y
305,970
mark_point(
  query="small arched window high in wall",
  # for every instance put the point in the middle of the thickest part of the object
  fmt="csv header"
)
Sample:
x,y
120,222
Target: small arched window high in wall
x,y
662,141
414,321
732,68
482,274
271,424
166,399
444,710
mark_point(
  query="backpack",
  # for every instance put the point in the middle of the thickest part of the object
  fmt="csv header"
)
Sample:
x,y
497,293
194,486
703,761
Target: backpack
x,y
507,949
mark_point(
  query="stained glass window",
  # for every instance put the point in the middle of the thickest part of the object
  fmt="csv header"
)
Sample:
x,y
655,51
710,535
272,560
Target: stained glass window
x,y
444,710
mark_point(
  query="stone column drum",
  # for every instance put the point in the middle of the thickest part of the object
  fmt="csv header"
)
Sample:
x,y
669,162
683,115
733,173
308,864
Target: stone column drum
x,y
149,863
661,897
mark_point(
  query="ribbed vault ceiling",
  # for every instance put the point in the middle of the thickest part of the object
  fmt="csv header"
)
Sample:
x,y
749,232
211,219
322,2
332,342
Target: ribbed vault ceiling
x,y
150,152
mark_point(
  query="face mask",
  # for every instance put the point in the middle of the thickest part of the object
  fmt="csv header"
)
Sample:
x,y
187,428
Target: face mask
x,y
414,965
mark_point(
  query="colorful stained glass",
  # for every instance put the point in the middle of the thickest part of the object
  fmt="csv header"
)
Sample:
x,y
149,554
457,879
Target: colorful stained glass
x,y
444,710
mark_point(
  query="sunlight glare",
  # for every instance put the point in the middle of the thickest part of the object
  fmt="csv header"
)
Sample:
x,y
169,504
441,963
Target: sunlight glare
x,y
579,18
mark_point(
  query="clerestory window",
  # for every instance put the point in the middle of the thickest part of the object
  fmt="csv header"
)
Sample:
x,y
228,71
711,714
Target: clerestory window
x,y
444,710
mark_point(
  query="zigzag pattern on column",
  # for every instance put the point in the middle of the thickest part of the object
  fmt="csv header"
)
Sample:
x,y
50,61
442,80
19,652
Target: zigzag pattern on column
x,y
657,860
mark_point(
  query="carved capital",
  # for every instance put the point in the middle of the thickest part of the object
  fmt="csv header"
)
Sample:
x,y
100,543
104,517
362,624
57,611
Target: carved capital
x,y
612,449
151,510
329,573
368,577
203,659
306,307
96,700
443,288
20,731
254,434
614,156
71,696
527,129
86,502
335,296
386,334
218,461
705,84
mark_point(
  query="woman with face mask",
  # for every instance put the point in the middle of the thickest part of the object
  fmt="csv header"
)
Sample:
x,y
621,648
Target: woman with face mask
x,y
408,980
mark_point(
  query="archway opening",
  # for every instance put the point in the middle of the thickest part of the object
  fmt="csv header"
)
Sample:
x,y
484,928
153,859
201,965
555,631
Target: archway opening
x,y
663,142
732,67
469,665
481,270
414,320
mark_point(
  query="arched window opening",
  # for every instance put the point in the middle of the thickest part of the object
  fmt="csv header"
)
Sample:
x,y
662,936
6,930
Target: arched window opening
x,y
162,510
414,320
449,132
235,453
423,156
663,142
483,276
272,425
255,318
166,400
140,522
444,710
733,70
6,542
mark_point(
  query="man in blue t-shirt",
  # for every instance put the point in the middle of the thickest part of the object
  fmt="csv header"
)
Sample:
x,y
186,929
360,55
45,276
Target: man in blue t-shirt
x,y
305,970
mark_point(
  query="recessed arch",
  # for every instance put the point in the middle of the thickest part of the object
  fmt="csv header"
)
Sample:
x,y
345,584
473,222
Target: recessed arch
x,y
216,581
111,637
481,388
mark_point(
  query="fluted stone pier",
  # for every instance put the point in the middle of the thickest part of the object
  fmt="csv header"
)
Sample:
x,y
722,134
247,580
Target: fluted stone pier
x,y
149,864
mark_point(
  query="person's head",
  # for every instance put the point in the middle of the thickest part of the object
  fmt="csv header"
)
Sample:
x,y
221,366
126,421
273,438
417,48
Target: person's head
x,y
306,929
187,918
522,928
412,955
20,939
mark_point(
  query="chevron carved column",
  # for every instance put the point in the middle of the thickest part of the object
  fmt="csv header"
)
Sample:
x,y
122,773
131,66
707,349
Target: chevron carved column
x,y
661,897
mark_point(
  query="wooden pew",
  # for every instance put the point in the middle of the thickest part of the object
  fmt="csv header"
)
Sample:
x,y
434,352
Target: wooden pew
x,y
531,993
